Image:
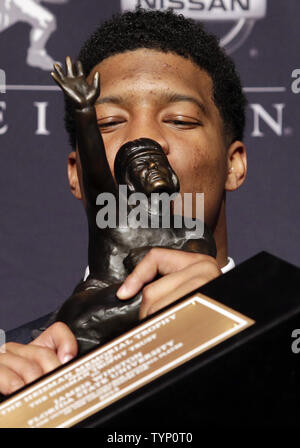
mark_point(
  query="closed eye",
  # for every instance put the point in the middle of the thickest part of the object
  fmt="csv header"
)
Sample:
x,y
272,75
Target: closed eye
x,y
177,123
184,124
111,123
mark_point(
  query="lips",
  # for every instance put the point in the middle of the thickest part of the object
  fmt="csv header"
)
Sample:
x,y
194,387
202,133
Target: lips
x,y
154,175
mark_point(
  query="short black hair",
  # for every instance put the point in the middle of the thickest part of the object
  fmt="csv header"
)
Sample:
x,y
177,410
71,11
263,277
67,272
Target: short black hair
x,y
168,32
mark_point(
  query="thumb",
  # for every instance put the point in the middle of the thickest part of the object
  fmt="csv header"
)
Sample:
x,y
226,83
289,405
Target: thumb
x,y
97,81
59,338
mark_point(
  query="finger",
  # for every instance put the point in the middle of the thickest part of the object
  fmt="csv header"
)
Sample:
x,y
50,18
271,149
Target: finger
x,y
69,67
9,381
43,356
26,369
60,339
156,291
79,68
166,290
57,79
157,261
97,81
58,70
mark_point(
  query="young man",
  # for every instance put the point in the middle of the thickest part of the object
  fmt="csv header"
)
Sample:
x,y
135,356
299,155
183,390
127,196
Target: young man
x,y
164,78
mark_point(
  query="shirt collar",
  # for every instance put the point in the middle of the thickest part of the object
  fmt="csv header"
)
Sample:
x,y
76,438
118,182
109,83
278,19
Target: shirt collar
x,y
230,265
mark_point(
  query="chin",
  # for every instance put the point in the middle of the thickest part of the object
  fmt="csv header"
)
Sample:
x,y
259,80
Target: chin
x,y
160,185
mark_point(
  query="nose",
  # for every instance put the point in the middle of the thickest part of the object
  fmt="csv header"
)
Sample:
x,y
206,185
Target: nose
x,y
152,164
145,126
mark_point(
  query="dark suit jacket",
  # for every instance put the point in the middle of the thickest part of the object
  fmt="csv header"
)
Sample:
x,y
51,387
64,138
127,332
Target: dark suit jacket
x,y
27,332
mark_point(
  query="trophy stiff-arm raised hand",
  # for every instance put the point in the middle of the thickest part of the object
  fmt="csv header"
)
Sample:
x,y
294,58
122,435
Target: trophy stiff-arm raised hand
x,y
93,312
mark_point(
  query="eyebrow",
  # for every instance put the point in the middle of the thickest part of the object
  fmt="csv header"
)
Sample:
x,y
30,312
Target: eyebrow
x,y
166,97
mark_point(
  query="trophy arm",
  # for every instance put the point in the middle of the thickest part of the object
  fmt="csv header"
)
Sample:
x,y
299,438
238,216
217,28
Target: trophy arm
x,y
96,173
95,314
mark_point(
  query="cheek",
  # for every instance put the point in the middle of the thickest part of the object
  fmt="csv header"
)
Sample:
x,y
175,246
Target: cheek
x,y
137,174
111,148
201,168
195,166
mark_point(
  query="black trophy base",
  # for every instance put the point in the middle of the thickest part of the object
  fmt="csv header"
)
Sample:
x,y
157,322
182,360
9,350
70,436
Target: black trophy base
x,y
250,380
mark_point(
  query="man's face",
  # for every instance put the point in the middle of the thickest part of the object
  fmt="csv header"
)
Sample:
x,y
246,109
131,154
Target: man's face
x,y
149,173
165,97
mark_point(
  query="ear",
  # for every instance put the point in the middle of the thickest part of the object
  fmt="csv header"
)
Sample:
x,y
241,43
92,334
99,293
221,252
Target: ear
x,y
73,174
236,165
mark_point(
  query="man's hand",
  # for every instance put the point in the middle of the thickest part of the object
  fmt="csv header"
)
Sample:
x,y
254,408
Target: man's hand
x,y
182,272
21,364
75,85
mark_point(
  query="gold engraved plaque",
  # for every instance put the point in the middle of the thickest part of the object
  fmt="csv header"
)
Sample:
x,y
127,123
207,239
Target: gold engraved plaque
x,y
93,382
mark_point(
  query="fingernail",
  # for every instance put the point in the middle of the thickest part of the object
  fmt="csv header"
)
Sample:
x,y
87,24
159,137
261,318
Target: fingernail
x,y
122,292
67,358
